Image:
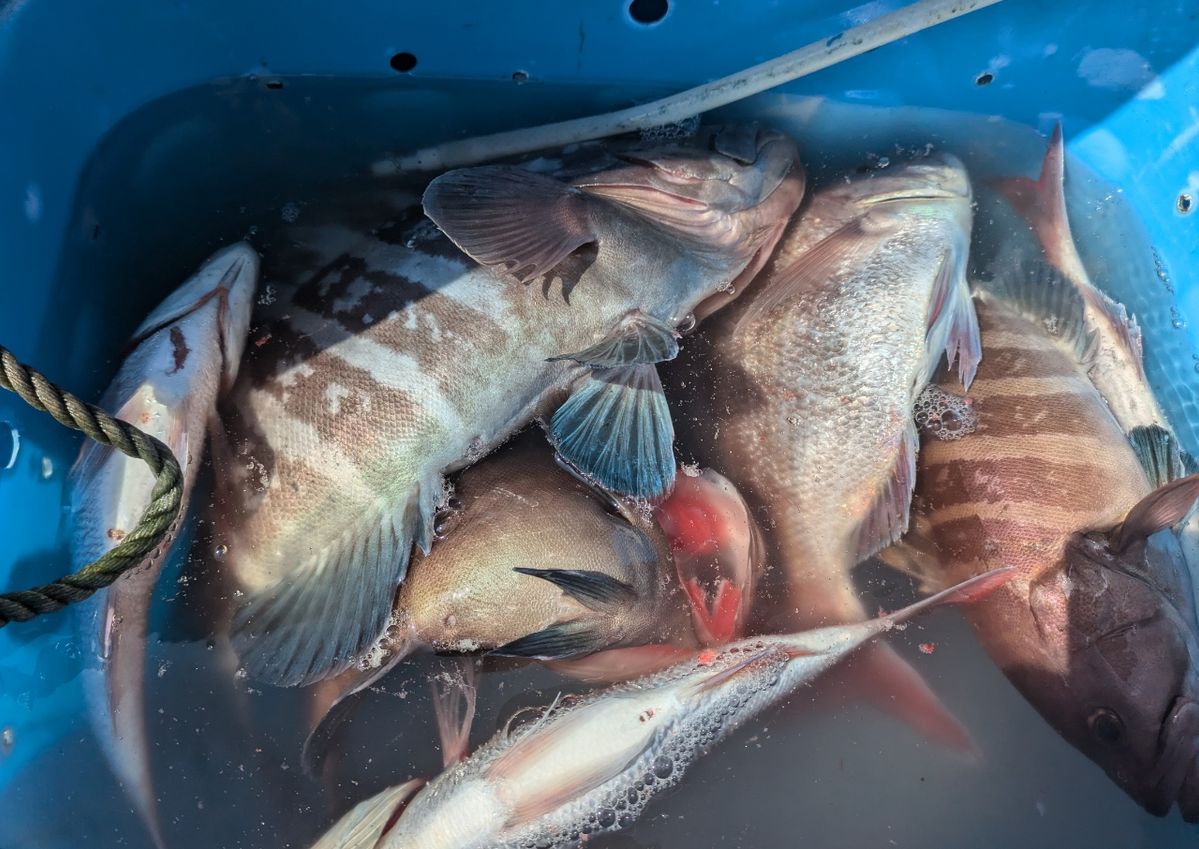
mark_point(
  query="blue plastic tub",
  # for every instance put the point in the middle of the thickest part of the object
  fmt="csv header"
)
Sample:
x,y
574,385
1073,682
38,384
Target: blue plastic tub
x,y
306,92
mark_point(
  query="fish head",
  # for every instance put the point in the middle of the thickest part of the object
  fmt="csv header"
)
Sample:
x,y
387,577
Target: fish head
x,y
730,190
936,177
1126,692
718,552
214,305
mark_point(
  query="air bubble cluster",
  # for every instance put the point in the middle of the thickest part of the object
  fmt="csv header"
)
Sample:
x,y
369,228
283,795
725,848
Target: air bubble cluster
x,y
944,415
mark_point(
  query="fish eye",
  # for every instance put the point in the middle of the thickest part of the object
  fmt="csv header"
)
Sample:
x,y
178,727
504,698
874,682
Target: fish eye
x,y
1107,726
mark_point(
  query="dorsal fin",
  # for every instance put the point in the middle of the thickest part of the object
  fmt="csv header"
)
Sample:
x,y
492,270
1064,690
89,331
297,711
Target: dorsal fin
x,y
1042,203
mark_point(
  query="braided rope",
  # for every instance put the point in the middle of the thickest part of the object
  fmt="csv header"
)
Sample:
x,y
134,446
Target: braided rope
x,y
139,543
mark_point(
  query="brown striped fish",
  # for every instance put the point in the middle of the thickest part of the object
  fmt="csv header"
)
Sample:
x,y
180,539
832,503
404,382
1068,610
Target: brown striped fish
x,y
1098,629
803,389
1114,344
381,367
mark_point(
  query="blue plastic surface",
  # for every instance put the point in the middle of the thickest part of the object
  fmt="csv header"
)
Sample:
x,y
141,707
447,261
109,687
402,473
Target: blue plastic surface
x,y
1122,77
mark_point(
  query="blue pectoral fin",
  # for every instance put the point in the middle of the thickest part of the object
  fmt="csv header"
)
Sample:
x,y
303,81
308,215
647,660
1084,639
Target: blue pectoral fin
x,y
640,339
616,428
313,624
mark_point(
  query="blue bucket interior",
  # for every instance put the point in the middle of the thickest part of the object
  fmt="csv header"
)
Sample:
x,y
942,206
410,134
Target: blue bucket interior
x,y
78,82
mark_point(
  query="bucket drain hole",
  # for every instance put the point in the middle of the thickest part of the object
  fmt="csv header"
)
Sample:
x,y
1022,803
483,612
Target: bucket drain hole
x,y
648,11
403,62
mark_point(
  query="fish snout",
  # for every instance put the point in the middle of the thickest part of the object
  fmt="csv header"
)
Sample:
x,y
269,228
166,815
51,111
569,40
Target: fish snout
x,y
1176,778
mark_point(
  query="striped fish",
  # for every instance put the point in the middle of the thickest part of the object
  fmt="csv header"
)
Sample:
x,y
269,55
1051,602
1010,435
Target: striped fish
x,y
802,391
383,366
1098,629
1113,341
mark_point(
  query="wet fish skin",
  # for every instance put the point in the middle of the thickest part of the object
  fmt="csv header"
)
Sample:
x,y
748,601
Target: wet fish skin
x,y
384,367
1098,632
185,353
518,510
803,389
1114,345
592,766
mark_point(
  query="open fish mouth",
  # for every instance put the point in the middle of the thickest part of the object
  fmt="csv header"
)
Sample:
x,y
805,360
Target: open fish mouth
x,y
1177,776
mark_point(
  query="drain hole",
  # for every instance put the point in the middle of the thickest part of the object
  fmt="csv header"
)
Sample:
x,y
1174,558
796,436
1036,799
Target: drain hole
x,y
984,78
403,62
648,11
274,85
1184,203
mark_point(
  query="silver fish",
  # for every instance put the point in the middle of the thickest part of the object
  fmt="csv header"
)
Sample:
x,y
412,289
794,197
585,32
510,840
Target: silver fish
x,y
592,766
384,367
803,389
185,353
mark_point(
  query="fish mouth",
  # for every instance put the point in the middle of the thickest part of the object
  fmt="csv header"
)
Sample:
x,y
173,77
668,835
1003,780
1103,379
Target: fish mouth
x,y
1176,778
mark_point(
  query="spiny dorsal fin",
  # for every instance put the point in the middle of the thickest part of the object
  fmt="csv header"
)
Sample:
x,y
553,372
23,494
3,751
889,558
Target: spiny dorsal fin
x,y
1042,203
1044,296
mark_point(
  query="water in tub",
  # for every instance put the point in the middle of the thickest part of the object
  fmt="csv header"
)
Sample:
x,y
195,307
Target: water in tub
x,y
827,768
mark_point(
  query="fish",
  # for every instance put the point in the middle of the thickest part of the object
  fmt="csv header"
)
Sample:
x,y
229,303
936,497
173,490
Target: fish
x,y
1113,340
718,552
592,766
1098,629
532,562
384,367
183,355
803,389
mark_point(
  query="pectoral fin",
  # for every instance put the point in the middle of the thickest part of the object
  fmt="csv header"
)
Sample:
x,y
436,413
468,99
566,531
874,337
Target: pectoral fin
x,y
640,339
509,217
314,623
1165,507
594,590
616,428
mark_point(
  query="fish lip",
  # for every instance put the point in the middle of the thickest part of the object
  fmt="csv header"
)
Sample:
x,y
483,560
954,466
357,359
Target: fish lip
x,y
1176,777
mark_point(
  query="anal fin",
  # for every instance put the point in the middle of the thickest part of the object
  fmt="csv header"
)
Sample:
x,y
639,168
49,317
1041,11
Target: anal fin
x,y
315,622
952,323
616,428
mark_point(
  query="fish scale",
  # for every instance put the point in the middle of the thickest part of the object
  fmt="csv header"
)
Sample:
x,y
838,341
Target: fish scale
x,y
391,358
1097,629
